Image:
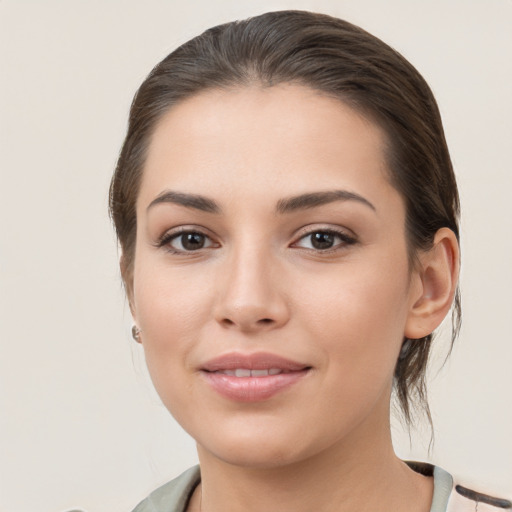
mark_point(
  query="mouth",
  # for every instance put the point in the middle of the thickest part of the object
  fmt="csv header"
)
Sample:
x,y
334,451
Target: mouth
x,y
252,377
245,372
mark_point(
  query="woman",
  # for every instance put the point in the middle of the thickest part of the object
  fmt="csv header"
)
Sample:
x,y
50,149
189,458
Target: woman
x,y
288,217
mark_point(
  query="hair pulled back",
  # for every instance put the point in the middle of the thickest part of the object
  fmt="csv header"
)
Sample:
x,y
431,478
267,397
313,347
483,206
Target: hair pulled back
x,y
338,59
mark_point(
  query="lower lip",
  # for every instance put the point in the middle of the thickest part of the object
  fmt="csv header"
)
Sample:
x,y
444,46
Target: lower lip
x,y
252,389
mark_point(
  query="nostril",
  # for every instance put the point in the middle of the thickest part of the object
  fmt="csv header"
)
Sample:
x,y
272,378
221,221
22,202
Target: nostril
x,y
227,322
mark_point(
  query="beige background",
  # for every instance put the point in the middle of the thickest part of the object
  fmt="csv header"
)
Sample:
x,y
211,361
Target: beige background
x,y
79,423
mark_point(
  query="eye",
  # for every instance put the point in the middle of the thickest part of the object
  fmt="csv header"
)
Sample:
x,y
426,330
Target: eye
x,y
186,241
324,240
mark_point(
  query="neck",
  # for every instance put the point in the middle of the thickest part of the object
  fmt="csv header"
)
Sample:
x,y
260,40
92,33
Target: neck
x,y
356,474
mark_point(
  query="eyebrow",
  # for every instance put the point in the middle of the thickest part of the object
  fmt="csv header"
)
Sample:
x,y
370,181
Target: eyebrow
x,y
288,205
194,201
313,199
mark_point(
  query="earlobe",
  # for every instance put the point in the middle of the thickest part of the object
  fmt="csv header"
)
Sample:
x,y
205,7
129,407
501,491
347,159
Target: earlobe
x,y
438,276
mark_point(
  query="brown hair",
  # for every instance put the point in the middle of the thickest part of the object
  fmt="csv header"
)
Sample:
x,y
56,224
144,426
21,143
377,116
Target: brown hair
x,y
336,58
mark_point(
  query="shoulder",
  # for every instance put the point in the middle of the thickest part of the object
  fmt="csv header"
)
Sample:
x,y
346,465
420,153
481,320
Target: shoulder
x,y
451,495
172,496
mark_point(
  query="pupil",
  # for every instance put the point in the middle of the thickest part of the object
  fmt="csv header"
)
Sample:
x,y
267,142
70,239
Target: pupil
x,y
322,240
192,241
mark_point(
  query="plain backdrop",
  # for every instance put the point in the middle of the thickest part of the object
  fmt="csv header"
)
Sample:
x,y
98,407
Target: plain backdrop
x,y
80,425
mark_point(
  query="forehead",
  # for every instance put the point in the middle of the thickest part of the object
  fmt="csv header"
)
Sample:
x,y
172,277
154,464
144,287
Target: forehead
x,y
285,139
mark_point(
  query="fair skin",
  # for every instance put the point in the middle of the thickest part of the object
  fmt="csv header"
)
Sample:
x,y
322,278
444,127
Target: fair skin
x,y
325,284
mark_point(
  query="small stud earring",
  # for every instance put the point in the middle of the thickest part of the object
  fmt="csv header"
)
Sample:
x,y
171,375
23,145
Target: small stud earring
x,y
136,333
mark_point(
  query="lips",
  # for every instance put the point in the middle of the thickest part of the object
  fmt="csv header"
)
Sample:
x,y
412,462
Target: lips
x,y
246,372
253,377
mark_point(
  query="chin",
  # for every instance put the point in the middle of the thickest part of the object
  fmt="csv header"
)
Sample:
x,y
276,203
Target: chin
x,y
256,456
261,448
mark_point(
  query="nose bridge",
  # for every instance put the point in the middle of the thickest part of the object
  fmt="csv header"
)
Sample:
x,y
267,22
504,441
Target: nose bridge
x,y
250,297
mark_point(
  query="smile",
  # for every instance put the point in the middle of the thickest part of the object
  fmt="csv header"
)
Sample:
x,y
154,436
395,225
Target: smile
x,y
253,377
245,372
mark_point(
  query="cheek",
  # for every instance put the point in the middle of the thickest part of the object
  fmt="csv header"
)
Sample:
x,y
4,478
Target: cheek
x,y
168,301
358,319
171,308
358,330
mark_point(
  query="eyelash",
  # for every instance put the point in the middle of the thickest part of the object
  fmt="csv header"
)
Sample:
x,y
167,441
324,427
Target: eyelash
x,y
345,240
166,240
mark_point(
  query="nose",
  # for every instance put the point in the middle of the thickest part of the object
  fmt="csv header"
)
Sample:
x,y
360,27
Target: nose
x,y
250,296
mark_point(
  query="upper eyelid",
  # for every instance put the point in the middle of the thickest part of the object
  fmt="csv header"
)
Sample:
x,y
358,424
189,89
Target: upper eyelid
x,y
347,238
179,230
301,233
165,241
337,230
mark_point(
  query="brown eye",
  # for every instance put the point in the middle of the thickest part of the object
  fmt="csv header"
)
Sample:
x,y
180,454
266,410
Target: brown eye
x,y
189,241
323,240
192,241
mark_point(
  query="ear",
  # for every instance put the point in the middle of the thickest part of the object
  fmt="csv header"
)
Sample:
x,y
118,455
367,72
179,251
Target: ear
x,y
437,276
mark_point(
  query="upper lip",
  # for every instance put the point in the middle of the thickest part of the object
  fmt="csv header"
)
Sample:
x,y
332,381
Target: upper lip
x,y
256,361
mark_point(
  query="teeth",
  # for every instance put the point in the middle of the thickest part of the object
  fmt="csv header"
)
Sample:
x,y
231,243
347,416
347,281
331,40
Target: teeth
x,y
245,372
259,373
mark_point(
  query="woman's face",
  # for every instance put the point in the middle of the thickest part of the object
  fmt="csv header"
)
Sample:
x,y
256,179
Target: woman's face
x,y
271,278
